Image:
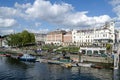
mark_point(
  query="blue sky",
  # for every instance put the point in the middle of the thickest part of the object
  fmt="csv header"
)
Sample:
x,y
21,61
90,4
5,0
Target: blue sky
x,y
41,16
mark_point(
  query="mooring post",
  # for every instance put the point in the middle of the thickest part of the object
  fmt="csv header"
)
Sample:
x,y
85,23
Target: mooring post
x,y
116,61
79,55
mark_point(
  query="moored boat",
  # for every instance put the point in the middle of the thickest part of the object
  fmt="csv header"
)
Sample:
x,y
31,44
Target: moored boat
x,y
85,64
66,65
27,57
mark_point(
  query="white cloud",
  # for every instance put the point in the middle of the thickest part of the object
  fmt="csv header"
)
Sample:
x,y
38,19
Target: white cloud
x,y
81,19
6,12
116,8
37,31
44,9
8,31
115,2
7,22
22,6
62,14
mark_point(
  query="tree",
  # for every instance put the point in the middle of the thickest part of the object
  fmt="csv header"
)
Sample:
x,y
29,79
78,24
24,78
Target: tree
x,y
32,37
20,39
109,47
25,37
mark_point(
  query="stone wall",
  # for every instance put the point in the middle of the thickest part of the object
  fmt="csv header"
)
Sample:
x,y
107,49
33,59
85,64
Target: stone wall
x,y
93,59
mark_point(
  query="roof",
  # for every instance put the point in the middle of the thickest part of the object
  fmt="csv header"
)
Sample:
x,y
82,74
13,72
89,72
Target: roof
x,y
58,32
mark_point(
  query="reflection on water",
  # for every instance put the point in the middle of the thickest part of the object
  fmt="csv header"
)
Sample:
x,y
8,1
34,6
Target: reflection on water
x,y
96,74
116,75
12,69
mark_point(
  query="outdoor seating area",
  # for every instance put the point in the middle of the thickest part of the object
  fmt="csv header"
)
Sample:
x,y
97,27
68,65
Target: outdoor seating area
x,y
94,51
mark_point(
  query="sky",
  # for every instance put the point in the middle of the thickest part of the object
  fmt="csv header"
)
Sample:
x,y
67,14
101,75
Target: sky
x,y
42,16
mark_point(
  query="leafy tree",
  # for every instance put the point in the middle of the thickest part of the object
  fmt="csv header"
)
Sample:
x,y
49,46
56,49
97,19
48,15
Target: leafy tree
x,y
20,39
32,37
109,47
25,37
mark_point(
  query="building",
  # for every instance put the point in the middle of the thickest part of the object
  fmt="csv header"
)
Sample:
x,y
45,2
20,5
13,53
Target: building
x,y
97,36
40,38
3,42
55,37
67,38
82,37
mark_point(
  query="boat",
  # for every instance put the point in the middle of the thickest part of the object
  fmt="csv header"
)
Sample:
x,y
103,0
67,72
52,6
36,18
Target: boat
x,y
54,62
8,55
27,57
66,65
85,64
75,65
97,66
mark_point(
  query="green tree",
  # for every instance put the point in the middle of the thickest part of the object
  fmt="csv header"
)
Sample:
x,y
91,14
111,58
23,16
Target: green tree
x,y
109,47
32,36
25,37
20,39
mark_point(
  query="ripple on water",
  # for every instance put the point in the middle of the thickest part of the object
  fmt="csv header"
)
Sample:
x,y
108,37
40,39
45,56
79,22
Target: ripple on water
x,y
16,70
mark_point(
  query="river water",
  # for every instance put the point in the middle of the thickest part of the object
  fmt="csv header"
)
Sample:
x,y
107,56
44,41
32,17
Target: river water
x,y
12,69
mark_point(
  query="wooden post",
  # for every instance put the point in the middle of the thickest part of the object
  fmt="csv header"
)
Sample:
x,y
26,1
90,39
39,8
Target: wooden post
x,y
116,61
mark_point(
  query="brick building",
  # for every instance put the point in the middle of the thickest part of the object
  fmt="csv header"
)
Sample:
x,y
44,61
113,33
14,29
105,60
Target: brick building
x,y
55,37
67,38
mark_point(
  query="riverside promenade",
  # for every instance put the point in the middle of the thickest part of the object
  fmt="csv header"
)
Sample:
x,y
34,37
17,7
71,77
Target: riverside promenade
x,y
93,59
73,57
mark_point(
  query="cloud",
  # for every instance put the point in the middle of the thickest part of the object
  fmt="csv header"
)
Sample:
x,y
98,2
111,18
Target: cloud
x,y
81,19
8,31
45,10
22,6
7,22
62,14
115,2
116,8
6,12
37,31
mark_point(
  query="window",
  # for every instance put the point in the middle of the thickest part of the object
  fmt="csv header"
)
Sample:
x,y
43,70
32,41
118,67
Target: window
x,y
95,52
103,35
88,36
102,51
89,52
111,35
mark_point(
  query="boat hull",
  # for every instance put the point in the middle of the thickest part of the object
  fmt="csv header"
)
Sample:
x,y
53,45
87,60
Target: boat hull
x,y
26,59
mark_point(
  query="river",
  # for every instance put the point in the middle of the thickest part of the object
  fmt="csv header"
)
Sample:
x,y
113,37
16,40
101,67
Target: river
x,y
12,69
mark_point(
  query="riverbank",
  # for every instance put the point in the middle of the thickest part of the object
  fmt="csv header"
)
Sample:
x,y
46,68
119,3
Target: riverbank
x,y
102,62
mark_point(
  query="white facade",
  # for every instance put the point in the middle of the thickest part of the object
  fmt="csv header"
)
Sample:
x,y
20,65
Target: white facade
x,y
83,37
4,43
40,37
104,34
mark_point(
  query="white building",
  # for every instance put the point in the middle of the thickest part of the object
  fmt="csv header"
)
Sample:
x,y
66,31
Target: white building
x,y
99,36
40,38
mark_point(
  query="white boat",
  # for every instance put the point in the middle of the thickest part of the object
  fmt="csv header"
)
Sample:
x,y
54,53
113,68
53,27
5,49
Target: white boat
x,y
74,65
85,64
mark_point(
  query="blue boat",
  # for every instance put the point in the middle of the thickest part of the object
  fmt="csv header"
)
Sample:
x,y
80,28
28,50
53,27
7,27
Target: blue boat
x,y
27,57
